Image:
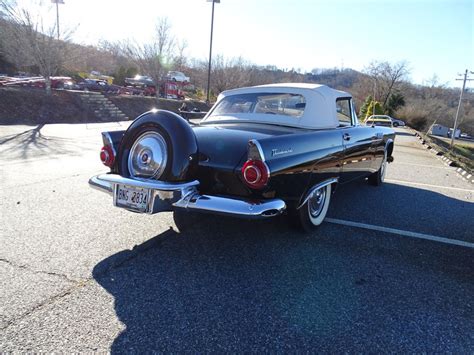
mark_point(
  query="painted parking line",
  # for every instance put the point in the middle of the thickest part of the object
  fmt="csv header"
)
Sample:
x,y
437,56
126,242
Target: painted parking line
x,y
401,232
428,185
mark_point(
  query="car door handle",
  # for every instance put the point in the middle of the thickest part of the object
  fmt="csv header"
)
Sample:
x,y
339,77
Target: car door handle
x,y
346,136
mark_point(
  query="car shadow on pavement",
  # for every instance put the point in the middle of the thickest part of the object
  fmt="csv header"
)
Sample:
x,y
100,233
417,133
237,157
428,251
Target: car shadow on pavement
x,y
406,208
32,142
237,285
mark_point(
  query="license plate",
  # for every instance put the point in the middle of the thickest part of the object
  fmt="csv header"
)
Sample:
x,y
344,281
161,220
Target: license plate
x,y
132,198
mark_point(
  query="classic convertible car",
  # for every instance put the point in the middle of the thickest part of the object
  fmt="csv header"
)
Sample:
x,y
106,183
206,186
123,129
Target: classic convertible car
x,y
259,152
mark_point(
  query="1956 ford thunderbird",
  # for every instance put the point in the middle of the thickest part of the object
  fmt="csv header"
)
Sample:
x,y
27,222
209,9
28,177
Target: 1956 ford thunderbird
x,y
259,152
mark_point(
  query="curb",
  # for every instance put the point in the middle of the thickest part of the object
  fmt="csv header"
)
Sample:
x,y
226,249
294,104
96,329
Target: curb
x,y
465,175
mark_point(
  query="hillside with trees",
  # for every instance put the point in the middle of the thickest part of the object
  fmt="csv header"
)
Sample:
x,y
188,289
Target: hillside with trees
x,y
29,45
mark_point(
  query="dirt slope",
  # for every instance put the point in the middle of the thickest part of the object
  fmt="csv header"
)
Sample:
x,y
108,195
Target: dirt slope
x,y
31,106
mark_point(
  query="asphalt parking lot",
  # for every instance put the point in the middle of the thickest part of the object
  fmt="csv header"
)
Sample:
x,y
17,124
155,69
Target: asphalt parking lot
x,y
392,270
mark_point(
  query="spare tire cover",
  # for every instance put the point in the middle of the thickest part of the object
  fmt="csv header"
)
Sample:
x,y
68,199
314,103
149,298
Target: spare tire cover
x,y
181,144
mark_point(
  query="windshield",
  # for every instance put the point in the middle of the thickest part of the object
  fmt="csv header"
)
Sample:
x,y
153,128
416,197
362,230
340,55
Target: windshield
x,y
285,104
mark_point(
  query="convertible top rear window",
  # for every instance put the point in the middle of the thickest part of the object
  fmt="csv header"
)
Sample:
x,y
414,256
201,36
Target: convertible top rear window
x,y
285,104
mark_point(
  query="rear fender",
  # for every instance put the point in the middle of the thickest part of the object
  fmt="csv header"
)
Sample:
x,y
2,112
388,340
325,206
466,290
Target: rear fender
x,y
299,161
112,139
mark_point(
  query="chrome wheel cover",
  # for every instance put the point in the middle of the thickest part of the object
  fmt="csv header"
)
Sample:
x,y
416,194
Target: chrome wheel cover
x,y
148,156
316,202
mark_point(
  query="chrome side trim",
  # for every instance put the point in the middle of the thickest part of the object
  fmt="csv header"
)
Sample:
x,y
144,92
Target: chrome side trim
x,y
317,187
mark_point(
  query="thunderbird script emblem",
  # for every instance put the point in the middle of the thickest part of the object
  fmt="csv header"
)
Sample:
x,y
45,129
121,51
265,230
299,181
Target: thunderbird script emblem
x,y
281,151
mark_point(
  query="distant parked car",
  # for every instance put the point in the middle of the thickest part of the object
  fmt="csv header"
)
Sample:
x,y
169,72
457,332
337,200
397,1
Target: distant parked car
x,y
379,120
397,123
139,80
98,85
177,76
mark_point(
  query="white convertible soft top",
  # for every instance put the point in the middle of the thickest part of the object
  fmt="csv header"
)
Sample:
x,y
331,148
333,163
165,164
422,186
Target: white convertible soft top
x,y
320,111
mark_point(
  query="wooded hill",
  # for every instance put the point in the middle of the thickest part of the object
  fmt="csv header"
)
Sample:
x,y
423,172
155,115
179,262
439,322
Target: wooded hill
x,y
419,105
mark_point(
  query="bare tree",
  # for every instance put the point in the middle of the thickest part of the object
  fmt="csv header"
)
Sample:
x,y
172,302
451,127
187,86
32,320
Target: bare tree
x,y
155,57
165,42
387,77
180,60
27,41
230,73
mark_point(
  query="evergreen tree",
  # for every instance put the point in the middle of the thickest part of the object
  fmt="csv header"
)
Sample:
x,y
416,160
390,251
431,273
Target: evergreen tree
x,y
378,109
365,105
395,101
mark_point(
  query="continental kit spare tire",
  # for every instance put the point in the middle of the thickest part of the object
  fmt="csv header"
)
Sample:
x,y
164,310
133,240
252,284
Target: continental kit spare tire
x,y
158,145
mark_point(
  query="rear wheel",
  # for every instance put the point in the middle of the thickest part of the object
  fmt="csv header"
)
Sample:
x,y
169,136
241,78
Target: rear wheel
x,y
185,221
377,178
312,213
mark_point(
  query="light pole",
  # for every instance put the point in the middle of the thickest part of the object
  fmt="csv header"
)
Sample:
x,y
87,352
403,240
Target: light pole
x,y
210,51
57,2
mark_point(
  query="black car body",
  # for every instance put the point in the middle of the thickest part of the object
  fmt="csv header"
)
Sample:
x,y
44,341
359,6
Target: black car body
x,y
258,153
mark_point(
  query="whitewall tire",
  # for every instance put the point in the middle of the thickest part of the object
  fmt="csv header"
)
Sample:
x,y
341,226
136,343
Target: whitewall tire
x,y
313,212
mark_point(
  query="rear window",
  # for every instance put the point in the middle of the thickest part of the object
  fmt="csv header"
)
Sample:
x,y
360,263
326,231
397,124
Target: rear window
x,y
284,104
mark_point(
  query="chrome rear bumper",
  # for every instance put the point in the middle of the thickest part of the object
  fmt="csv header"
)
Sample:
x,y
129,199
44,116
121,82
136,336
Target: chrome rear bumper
x,y
166,196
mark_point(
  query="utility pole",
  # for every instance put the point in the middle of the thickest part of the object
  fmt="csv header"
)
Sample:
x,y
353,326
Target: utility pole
x,y
459,106
374,100
210,50
57,2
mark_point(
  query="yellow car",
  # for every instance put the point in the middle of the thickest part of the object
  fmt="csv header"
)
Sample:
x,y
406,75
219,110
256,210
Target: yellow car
x,y
378,120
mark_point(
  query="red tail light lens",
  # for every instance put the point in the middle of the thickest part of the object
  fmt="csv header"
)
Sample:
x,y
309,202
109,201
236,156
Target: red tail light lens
x,y
107,156
255,174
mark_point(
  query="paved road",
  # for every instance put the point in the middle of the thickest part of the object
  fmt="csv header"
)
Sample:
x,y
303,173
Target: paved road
x,y
77,274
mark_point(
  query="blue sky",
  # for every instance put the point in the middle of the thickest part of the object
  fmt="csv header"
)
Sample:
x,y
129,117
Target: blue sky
x,y
433,36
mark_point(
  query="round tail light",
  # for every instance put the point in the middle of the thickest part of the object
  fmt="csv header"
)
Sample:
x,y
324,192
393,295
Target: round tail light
x,y
107,156
255,174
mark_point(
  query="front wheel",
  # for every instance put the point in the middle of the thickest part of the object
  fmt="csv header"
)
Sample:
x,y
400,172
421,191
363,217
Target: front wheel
x,y
312,213
377,178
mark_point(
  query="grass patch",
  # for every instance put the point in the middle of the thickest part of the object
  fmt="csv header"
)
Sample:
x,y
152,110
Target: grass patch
x,y
462,153
464,150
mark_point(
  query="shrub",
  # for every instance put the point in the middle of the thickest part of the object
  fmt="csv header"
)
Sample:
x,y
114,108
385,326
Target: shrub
x,y
418,123
414,115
